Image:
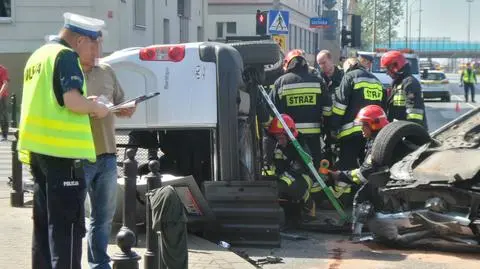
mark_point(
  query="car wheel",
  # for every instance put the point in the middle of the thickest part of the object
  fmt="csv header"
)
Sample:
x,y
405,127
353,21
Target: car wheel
x,y
258,52
274,72
396,140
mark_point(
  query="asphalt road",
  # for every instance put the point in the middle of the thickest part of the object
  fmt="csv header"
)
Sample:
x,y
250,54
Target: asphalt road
x,y
440,113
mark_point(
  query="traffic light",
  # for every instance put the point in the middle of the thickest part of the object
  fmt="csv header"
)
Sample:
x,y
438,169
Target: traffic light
x,y
356,33
345,40
261,22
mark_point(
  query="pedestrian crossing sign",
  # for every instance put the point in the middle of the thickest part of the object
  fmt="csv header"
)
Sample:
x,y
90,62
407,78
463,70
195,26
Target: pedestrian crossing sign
x,y
278,22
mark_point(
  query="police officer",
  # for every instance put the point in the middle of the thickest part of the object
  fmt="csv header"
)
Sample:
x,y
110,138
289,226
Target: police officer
x,y
366,61
406,101
295,182
358,89
468,79
303,96
54,135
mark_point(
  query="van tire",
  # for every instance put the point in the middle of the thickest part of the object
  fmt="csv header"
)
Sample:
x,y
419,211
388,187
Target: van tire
x,y
258,52
273,73
388,147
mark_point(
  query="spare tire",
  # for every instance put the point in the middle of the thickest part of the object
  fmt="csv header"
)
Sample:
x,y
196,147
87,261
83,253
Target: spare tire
x,y
272,73
258,52
395,141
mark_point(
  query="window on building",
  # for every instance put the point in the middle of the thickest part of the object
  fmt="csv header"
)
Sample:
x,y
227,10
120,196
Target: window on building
x,y
5,8
301,39
315,42
219,29
166,31
183,8
199,33
290,37
231,27
140,18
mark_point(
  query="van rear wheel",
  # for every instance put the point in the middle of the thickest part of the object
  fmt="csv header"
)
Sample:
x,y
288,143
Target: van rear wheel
x,y
258,52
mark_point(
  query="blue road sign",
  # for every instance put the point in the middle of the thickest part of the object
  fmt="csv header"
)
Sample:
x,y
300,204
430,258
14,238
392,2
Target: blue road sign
x,y
278,22
319,22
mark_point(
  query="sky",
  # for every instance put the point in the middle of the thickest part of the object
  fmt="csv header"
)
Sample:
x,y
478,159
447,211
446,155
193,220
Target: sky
x,y
444,18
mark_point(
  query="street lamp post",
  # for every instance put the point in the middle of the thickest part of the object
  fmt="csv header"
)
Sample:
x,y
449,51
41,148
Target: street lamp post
x,y
406,24
410,19
419,23
469,7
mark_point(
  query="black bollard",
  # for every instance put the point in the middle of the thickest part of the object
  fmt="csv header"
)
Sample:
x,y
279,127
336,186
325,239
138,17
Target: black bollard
x,y
127,259
153,181
126,238
13,103
130,167
16,194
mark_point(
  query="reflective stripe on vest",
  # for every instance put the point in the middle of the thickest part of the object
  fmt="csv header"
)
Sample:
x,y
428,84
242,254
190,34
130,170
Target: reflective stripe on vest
x,y
339,109
45,126
308,128
348,129
399,98
467,78
300,94
414,114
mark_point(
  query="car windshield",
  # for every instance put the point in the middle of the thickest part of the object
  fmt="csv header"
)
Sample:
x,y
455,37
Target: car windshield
x,y
377,69
434,76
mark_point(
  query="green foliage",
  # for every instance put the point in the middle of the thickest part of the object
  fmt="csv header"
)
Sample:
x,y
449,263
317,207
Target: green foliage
x,y
393,10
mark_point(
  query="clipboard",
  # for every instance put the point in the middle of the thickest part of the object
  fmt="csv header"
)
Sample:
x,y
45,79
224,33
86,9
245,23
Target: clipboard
x,y
134,101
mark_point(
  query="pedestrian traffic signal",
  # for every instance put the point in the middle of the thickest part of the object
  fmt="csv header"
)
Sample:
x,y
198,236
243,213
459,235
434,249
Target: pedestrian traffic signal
x,y
261,22
345,40
356,33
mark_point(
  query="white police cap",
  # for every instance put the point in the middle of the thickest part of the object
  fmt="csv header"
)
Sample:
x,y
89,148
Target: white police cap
x,y
83,25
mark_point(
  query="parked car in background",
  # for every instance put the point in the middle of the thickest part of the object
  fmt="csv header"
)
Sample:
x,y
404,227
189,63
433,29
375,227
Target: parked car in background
x,y
435,85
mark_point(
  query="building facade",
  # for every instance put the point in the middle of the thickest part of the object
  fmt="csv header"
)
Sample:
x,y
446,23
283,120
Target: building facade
x,y
238,18
25,23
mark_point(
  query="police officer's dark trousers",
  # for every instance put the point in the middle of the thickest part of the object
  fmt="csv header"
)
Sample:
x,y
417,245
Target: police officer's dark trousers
x,y
58,213
469,87
352,151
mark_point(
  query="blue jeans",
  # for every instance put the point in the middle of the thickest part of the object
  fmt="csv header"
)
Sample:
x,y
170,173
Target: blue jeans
x,y
101,180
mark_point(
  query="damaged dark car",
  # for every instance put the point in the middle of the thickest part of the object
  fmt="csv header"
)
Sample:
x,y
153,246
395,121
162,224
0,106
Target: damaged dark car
x,y
427,192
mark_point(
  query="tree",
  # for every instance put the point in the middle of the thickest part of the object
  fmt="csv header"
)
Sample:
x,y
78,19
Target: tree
x,y
389,14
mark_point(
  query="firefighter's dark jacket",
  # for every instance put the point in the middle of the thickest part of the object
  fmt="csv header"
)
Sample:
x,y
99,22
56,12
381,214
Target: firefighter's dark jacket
x,y
361,174
359,88
406,101
334,81
288,164
302,95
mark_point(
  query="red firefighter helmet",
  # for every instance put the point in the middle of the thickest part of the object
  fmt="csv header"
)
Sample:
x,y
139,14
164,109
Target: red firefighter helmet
x,y
276,125
374,116
290,55
393,61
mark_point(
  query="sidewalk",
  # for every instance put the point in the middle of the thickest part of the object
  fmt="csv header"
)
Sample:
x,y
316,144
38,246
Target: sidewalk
x,y
16,236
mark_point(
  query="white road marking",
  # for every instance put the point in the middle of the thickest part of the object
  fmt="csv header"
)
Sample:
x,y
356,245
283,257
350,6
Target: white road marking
x,y
460,99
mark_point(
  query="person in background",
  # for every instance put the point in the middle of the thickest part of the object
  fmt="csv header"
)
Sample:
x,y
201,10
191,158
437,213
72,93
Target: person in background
x,y
468,79
101,176
366,61
4,79
55,137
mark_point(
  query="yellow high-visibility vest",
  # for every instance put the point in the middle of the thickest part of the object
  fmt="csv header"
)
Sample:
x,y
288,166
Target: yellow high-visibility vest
x,y
45,126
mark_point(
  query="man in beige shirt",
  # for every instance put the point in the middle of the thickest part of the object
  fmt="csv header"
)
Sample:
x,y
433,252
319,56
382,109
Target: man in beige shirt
x,y
101,176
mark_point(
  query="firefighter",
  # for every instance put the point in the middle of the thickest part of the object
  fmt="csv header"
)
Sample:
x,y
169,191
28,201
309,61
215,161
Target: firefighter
x,y
358,89
303,96
372,119
295,182
406,101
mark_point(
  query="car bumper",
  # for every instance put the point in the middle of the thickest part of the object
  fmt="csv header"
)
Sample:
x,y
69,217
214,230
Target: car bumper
x,y
435,92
